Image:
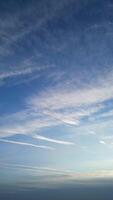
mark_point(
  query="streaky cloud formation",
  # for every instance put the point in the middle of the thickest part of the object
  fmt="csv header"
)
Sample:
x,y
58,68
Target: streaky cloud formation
x,y
26,144
39,137
56,91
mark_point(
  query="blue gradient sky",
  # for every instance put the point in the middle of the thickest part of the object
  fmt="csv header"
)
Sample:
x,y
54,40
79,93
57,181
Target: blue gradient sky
x,y
56,91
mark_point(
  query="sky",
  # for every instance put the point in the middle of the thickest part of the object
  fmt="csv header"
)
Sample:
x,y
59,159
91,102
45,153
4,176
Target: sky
x,y
56,92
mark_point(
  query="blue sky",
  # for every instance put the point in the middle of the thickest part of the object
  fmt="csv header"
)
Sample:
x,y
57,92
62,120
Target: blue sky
x,y
56,91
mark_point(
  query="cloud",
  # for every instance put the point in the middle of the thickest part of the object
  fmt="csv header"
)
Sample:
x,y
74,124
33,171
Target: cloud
x,y
106,114
69,98
15,73
92,133
15,26
107,140
107,137
56,106
35,169
39,137
66,118
53,175
68,174
26,67
26,144
96,174
102,142
29,131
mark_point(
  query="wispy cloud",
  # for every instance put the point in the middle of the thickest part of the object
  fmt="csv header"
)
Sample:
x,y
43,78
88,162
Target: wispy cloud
x,y
27,67
53,175
15,73
36,169
26,144
102,142
57,106
5,133
107,140
15,26
69,174
59,99
68,103
39,137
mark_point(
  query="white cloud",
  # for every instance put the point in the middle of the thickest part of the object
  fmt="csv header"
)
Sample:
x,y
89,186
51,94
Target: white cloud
x,y
26,144
27,67
57,106
39,137
102,142
66,118
30,130
9,74
92,132
69,98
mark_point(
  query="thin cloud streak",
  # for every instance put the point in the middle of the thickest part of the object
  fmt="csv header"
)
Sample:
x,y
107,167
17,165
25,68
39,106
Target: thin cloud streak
x,y
26,130
39,137
62,174
15,73
26,144
28,69
36,169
